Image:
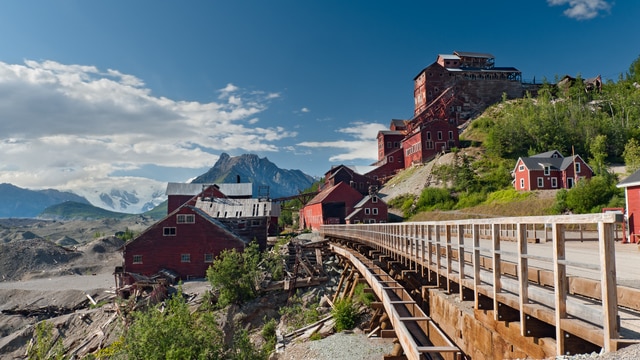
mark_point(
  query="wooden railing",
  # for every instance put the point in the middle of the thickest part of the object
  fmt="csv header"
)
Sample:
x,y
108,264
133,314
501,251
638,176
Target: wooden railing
x,y
473,253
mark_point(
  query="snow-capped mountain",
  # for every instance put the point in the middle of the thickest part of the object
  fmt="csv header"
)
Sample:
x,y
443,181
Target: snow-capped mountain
x,y
128,195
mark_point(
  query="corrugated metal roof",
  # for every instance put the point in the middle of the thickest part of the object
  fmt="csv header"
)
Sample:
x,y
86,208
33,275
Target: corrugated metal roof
x,y
449,56
229,189
230,208
474,54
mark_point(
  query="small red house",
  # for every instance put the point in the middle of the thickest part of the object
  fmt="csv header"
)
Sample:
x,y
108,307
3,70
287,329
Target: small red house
x,y
349,175
370,210
631,187
330,206
548,171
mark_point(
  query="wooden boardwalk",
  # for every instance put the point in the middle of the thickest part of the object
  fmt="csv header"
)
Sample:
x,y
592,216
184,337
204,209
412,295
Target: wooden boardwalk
x,y
555,270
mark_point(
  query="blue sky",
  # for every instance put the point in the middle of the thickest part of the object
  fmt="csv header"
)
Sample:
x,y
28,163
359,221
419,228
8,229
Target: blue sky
x,y
140,92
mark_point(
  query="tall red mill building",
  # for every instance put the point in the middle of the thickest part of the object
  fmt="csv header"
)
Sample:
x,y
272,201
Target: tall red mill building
x,y
446,94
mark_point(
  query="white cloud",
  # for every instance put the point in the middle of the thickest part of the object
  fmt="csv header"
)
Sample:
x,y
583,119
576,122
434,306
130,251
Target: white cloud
x,y
582,9
305,110
364,147
66,125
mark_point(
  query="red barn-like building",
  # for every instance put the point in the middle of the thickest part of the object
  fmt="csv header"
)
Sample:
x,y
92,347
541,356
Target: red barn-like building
x,y
631,187
188,240
548,171
330,206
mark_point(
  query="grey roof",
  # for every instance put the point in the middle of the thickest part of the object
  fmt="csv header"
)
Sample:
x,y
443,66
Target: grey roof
x,y
390,132
229,189
548,154
230,208
631,180
362,202
449,56
553,163
474,54
353,214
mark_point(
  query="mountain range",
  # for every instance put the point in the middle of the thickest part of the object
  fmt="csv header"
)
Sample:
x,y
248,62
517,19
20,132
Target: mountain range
x,y
142,195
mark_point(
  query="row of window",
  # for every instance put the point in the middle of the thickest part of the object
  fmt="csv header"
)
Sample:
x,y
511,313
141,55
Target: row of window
x,y
367,221
372,211
554,183
185,258
439,134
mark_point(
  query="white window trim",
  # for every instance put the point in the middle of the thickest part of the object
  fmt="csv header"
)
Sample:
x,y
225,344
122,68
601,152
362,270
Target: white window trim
x,y
554,182
164,231
540,182
137,259
185,258
521,183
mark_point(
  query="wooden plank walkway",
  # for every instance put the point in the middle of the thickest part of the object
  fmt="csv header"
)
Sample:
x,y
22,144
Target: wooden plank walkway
x,y
565,281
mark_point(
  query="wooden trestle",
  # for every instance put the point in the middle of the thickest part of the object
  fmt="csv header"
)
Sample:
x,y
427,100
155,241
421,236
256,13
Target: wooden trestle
x,y
415,331
472,259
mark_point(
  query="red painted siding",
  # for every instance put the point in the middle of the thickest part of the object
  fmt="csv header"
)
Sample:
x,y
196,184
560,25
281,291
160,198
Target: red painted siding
x,y
633,210
164,252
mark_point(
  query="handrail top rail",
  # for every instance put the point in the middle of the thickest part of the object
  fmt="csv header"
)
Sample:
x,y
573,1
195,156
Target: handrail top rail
x,y
608,217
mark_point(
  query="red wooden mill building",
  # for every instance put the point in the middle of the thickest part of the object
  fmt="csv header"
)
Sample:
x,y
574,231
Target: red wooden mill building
x,y
447,93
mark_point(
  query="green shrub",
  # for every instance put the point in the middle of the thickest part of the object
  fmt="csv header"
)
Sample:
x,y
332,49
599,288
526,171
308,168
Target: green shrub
x,y
45,346
234,275
345,314
269,335
362,297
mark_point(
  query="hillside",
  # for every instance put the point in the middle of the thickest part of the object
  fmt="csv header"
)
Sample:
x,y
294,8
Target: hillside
x,y
19,202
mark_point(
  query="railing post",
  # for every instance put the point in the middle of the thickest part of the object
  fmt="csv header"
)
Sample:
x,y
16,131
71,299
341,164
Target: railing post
x,y
560,285
429,250
438,258
523,275
497,288
476,265
448,255
608,283
461,259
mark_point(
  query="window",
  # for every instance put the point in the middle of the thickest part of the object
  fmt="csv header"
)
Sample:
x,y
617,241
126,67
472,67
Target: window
x,y
389,144
439,135
547,170
169,231
185,258
208,258
186,219
396,144
390,158
255,223
577,167
428,135
374,199
374,211
367,211
521,168
450,135
137,259
521,183
540,182
554,182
